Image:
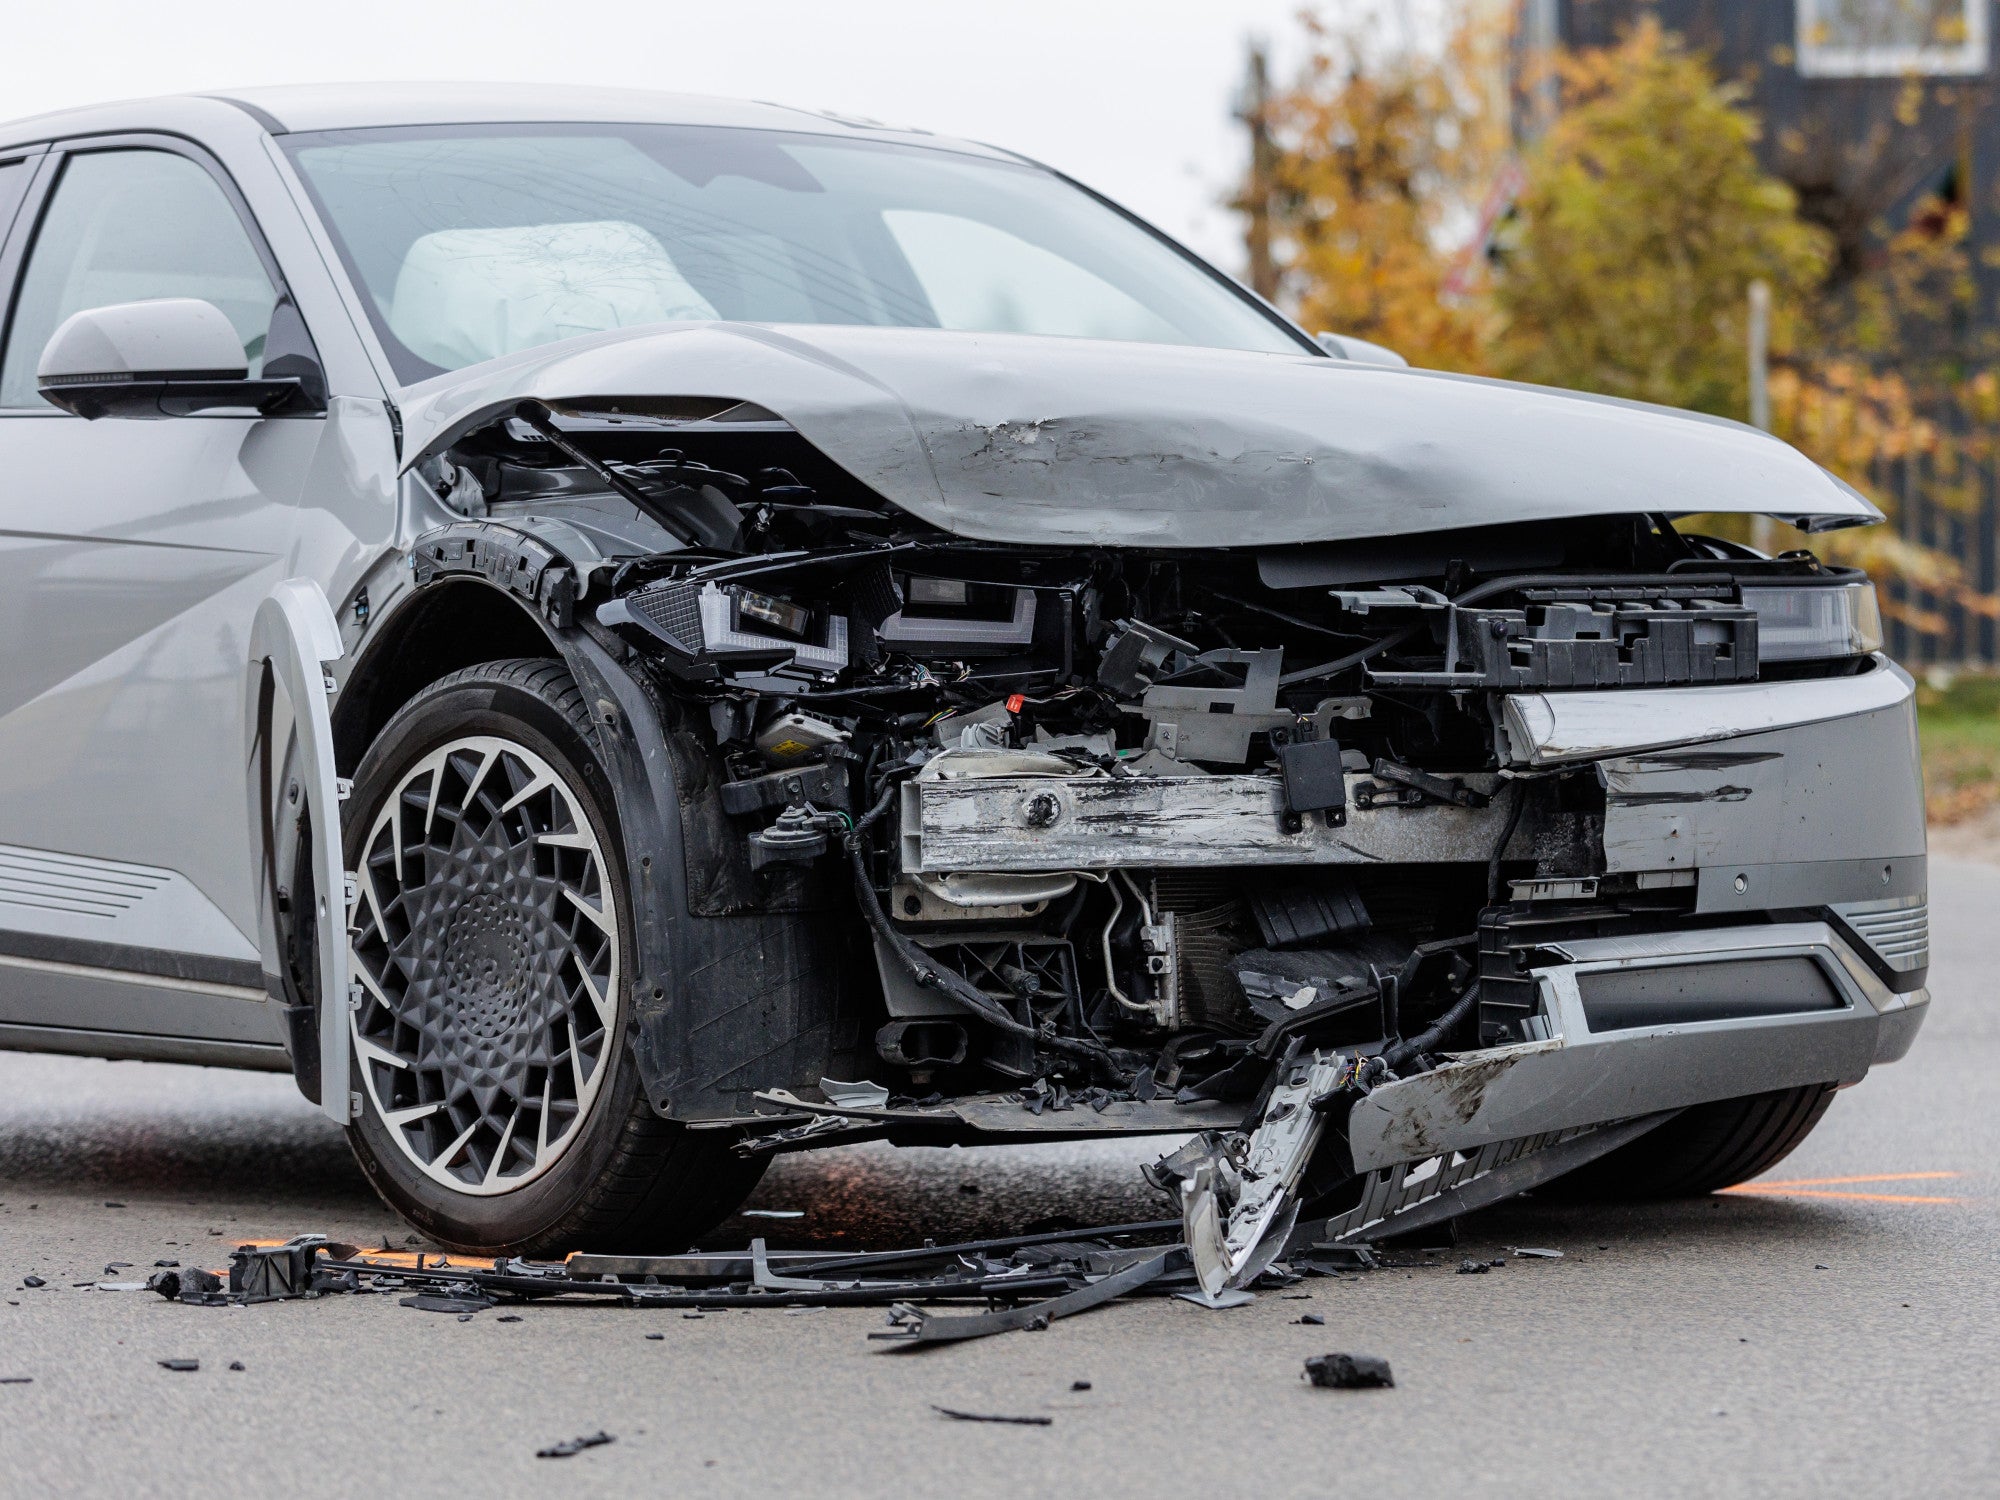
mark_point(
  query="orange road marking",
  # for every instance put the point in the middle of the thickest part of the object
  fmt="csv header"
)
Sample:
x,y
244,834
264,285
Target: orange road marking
x,y
1800,1182
1754,1190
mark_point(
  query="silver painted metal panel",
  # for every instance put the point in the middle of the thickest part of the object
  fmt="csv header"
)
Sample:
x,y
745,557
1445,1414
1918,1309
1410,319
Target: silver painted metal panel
x,y
1193,822
132,556
1014,438
1828,810
139,1047
112,901
1549,729
41,992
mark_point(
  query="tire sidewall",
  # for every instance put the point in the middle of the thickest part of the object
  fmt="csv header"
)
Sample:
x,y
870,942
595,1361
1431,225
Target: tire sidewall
x,y
525,1218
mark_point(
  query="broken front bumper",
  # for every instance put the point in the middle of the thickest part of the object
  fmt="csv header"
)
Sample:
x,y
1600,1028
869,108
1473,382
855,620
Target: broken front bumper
x,y
1589,1065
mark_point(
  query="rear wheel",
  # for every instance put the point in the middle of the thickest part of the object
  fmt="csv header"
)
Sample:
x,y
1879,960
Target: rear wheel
x,y
1701,1149
501,1107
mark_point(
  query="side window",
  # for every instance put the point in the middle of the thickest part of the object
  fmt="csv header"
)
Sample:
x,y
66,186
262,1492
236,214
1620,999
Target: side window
x,y
128,226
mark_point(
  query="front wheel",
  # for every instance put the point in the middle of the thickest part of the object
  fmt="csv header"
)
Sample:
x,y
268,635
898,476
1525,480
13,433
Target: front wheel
x,y
1700,1150
501,1107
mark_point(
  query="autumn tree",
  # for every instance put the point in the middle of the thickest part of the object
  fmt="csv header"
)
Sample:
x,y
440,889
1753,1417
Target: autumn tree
x,y
1644,219
1361,168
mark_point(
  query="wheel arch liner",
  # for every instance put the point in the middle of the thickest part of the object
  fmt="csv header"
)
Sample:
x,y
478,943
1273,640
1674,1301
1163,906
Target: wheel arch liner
x,y
723,1004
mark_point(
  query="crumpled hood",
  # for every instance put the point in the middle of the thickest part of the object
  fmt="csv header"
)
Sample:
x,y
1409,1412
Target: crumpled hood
x,y
1020,439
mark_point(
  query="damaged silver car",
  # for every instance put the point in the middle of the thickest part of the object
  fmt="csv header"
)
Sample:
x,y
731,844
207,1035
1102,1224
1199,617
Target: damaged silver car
x,y
617,636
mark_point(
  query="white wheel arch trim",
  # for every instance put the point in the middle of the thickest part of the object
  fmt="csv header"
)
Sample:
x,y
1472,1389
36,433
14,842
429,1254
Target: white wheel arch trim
x,y
292,639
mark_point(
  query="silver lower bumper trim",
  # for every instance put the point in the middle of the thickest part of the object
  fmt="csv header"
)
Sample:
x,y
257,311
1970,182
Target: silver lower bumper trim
x,y
1574,1077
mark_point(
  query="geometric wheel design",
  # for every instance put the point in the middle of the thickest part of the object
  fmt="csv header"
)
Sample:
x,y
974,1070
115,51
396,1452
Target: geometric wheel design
x,y
484,942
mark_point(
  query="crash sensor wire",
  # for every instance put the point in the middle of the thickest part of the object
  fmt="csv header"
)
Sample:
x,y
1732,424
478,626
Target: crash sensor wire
x,y
1355,659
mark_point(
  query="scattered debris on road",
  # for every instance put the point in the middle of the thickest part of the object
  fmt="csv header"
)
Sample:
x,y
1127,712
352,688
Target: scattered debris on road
x,y
979,1416
1348,1372
1021,1283
1523,1252
575,1445
180,1366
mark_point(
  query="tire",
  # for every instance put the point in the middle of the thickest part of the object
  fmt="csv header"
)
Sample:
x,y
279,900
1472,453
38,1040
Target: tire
x,y
501,1107
1701,1149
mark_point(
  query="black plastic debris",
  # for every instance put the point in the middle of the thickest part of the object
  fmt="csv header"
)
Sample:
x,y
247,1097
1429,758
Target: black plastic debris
x,y
167,1264
1033,1278
1348,1372
980,1416
271,1273
238,1365
109,1204
516,1317
650,1335
188,1285
1473,1268
1311,1320
17,1380
33,1281
575,1445
1079,1385
918,1329
466,1303
181,1366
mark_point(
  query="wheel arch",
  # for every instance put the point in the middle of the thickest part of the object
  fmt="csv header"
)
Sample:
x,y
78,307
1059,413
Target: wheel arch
x,y
446,624
727,998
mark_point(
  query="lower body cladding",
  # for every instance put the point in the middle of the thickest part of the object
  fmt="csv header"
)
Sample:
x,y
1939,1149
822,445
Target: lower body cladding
x,y
1739,913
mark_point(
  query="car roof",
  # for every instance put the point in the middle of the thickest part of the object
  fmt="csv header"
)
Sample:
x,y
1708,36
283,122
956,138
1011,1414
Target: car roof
x,y
300,108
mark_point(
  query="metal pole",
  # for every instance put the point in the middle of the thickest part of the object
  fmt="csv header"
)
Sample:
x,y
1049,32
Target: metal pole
x,y
1761,535
1542,37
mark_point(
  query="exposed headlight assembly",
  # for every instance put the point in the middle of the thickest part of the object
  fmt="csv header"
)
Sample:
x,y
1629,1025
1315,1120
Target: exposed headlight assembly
x,y
1809,621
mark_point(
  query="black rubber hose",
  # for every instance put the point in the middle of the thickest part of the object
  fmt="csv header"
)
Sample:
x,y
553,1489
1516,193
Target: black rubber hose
x,y
1445,1024
1506,838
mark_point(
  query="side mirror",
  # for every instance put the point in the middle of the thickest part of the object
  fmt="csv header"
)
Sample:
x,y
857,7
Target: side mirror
x,y
167,358
1347,346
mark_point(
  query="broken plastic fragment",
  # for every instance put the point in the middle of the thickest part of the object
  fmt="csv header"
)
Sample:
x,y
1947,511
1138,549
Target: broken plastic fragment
x,y
977,1416
575,1445
1527,1253
184,1366
442,1303
862,1095
1348,1372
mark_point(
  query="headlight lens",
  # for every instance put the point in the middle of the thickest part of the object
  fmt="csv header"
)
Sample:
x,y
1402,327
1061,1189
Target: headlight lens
x,y
1807,622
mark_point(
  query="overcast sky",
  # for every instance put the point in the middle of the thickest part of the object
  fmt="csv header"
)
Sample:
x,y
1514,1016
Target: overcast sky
x,y
1131,96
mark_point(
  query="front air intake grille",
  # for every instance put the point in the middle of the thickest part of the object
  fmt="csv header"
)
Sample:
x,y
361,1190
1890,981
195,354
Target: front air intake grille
x,y
675,610
1685,994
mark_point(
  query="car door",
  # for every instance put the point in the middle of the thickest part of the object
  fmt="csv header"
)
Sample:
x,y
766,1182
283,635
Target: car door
x,y
133,557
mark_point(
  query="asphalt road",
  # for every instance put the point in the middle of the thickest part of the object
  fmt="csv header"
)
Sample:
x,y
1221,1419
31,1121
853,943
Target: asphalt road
x,y
1836,1334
